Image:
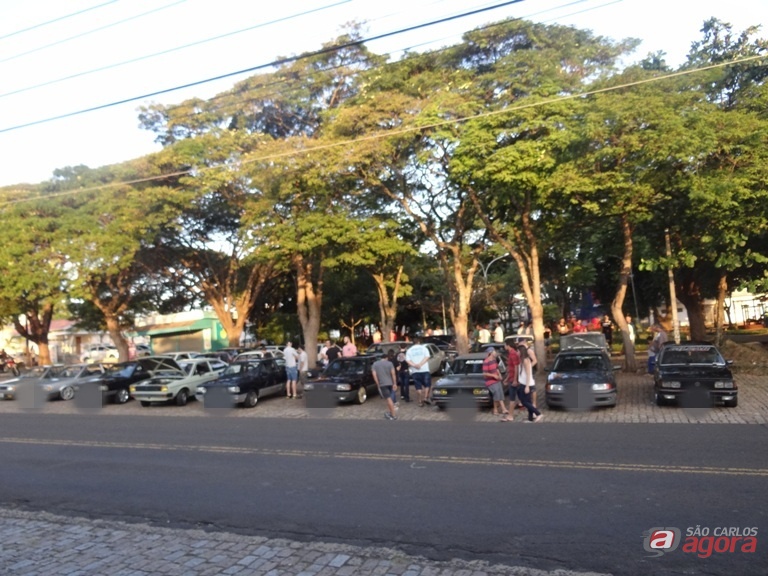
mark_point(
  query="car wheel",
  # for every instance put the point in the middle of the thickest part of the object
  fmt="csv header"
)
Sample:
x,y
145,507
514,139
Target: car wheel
x,y
362,395
122,396
731,403
181,398
67,393
251,399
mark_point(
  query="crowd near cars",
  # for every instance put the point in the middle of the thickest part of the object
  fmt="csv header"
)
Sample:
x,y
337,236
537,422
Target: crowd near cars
x,y
580,377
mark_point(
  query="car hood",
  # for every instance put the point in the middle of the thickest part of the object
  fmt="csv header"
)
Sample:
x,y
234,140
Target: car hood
x,y
581,376
460,381
686,372
231,380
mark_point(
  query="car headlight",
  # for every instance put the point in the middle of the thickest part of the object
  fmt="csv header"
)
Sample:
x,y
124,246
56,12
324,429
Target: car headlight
x,y
440,392
343,387
556,387
724,384
132,388
480,392
163,388
233,389
604,386
104,387
672,384
48,388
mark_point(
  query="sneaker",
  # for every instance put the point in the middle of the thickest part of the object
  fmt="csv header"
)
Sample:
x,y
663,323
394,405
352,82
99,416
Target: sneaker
x,y
389,416
538,418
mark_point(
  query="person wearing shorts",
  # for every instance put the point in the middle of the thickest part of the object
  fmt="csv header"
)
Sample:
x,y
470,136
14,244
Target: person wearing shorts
x,y
383,371
493,383
417,357
291,358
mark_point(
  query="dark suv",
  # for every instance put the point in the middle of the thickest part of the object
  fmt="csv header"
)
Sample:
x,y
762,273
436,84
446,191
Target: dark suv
x,y
245,383
693,375
582,376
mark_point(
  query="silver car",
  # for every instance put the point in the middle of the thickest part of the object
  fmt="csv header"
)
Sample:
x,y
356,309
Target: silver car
x,y
61,380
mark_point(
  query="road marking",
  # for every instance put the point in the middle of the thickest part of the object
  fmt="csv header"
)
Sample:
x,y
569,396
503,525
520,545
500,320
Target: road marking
x,y
414,460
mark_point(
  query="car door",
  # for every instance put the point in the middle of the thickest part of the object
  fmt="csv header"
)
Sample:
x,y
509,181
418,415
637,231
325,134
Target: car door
x,y
270,384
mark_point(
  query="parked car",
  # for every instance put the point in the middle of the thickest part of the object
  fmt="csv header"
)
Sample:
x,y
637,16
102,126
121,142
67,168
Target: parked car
x,y
143,350
116,381
463,385
344,380
221,355
244,383
436,355
693,374
581,377
99,353
177,386
60,381
9,389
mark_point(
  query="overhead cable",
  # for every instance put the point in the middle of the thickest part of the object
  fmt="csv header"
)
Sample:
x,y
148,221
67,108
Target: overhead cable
x,y
272,64
59,19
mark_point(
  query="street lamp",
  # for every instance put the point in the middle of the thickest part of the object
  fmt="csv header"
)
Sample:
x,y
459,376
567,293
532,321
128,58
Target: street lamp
x,y
485,278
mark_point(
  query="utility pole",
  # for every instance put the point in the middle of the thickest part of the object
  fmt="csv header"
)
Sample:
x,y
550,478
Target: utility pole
x,y
672,295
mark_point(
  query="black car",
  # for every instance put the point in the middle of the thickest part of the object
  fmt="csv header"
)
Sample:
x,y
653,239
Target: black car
x,y
344,380
245,383
463,384
581,378
694,375
116,381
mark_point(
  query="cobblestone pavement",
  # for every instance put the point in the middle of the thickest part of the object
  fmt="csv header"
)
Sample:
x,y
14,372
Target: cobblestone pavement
x,y
43,544
47,545
635,405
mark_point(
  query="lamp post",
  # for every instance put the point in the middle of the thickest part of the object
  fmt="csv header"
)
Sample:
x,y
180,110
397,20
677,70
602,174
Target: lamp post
x,y
485,278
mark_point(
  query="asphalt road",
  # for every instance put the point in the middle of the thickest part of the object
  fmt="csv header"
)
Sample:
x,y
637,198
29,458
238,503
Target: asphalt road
x,y
546,496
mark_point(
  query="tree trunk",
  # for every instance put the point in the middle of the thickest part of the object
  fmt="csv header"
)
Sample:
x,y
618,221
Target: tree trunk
x,y
617,306
461,299
36,330
387,303
115,332
690,295
722,291
309,301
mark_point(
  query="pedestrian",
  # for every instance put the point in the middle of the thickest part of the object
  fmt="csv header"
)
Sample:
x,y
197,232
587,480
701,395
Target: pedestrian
x,y
658,338
332,353
526,388
303,366
513,364
403,375
349,348
562,327
484,335
531,355
384,375
492,378
630,329
393,360
498,333
291,358
417,357
322,355
607,327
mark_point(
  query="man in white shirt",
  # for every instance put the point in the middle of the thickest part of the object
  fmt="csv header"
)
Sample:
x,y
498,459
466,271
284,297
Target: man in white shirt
x,y
417,357
291,358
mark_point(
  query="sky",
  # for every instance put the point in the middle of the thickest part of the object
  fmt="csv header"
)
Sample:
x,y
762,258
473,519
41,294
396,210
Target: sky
x,y
58,57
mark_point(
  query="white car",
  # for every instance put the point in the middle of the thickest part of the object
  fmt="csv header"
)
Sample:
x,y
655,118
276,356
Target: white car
x,y
99,353
179,356
177,385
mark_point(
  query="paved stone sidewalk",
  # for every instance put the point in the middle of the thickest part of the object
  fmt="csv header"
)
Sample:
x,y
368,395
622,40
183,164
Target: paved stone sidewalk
x,y
35,544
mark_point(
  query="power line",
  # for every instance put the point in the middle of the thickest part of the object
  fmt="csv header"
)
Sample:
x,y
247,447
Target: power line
x,y
175,49
399,132
92,31
280,81
59,19
272,64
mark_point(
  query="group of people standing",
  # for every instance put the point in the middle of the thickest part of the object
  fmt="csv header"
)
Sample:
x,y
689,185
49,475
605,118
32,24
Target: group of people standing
x,y
520,382
393,372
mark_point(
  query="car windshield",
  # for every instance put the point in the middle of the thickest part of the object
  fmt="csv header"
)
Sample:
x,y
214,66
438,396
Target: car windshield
x,y
575,363
124,370
39,372
67,371
467,366
687,355
238,368
345,367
